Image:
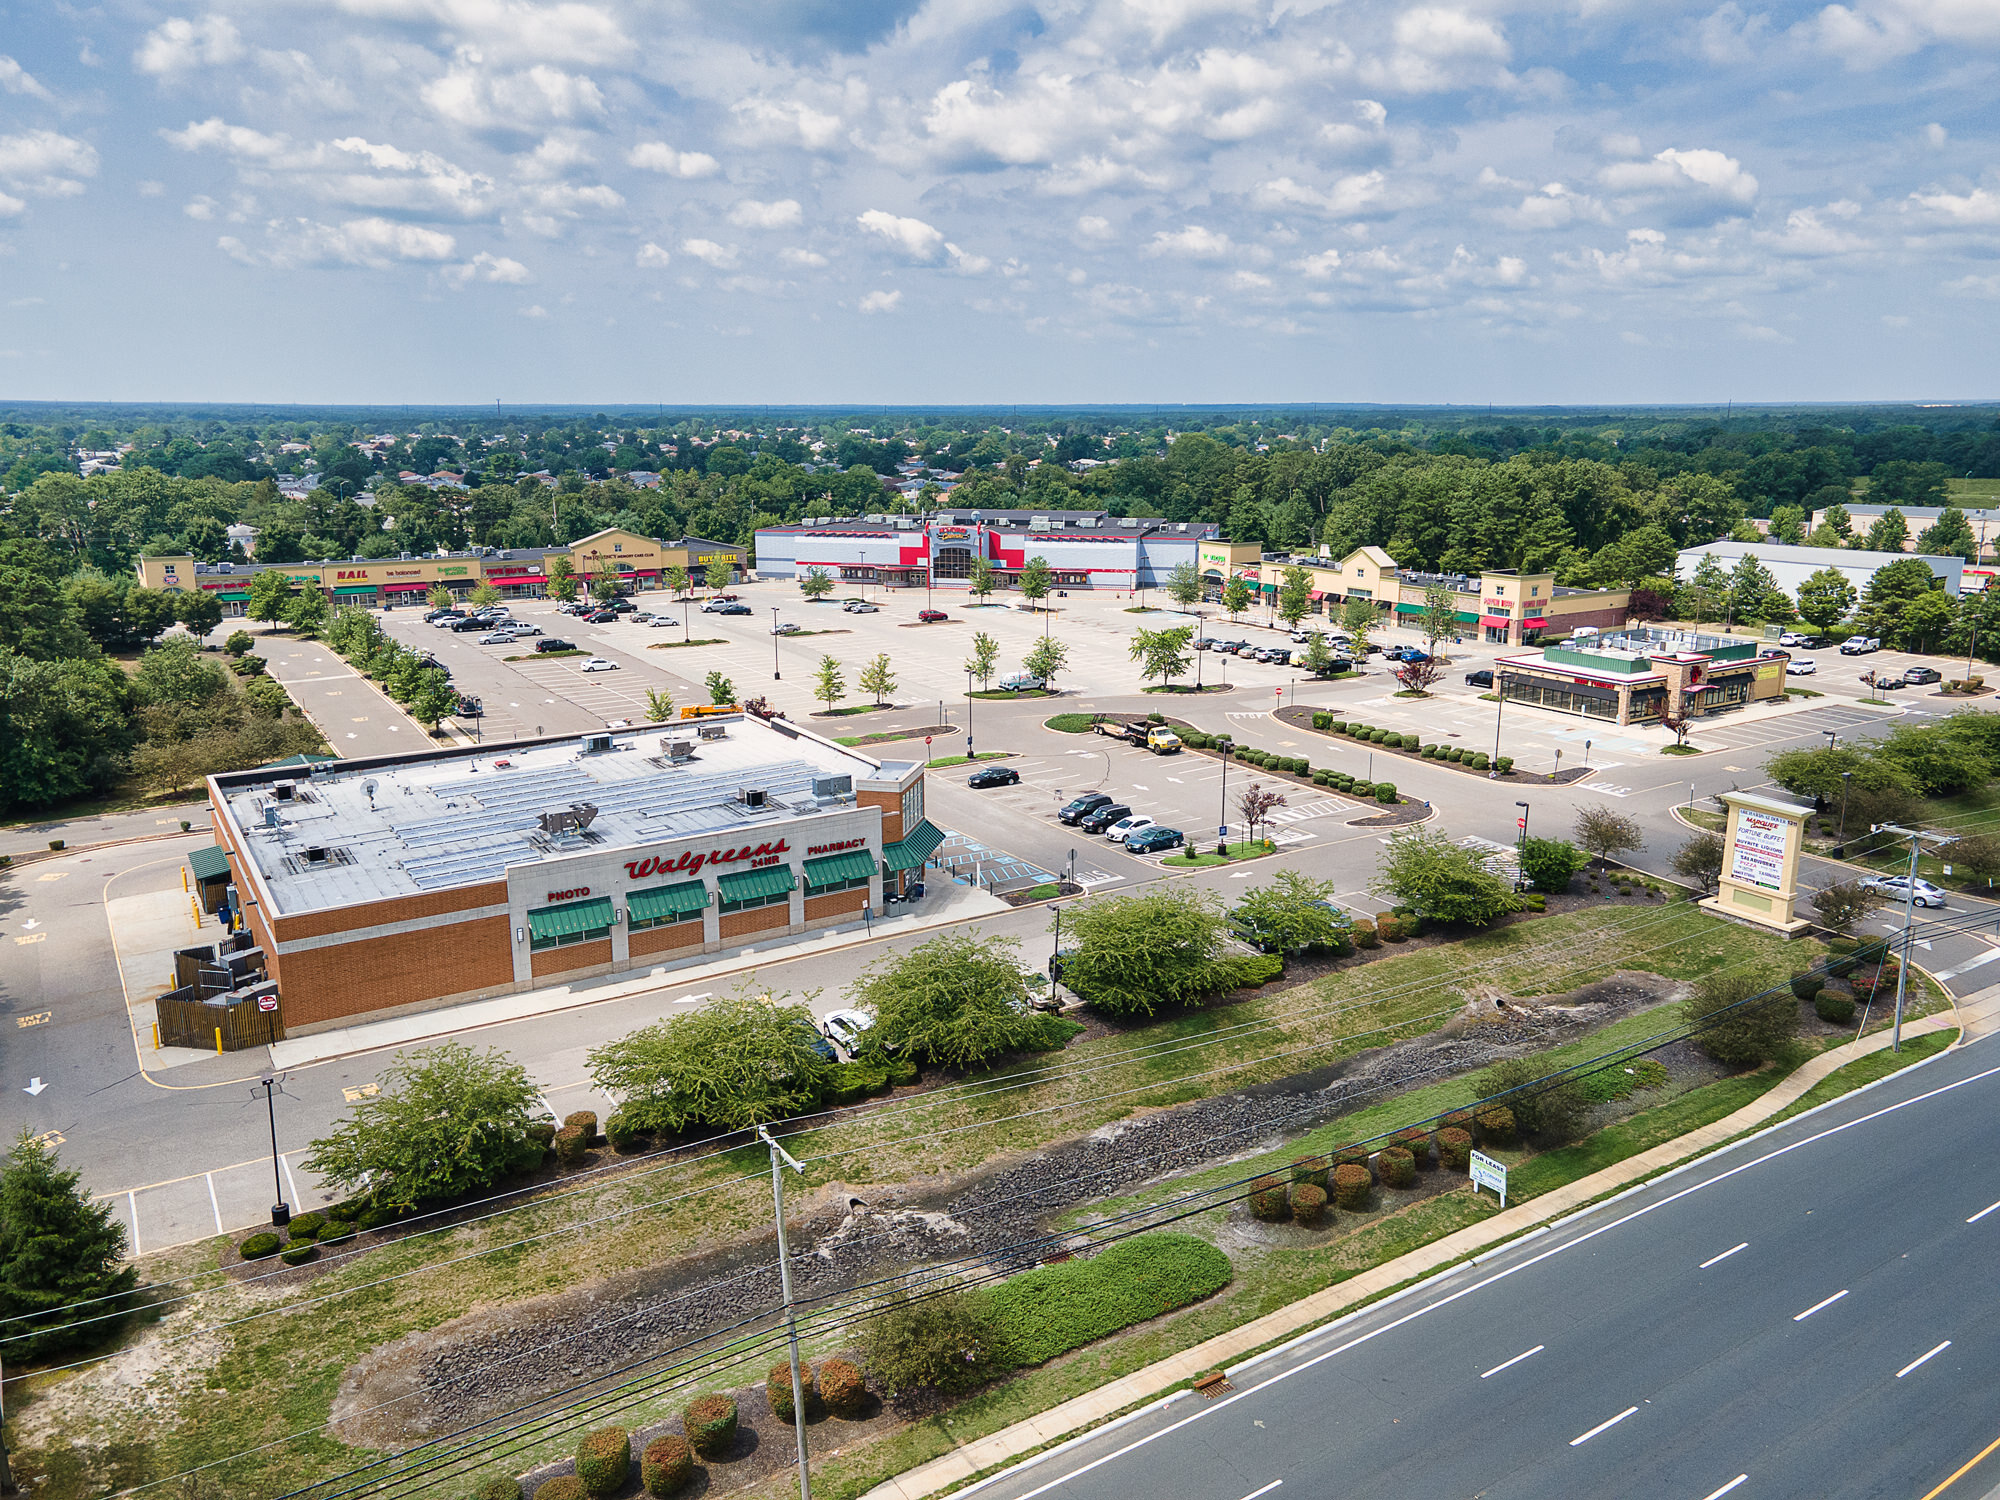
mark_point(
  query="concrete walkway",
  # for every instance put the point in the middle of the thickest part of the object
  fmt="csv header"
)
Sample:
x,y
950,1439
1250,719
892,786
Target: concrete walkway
x,y
1129,1391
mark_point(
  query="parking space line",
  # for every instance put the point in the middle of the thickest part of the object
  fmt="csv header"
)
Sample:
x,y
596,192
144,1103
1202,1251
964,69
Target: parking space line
x,y
213,1204
132,1204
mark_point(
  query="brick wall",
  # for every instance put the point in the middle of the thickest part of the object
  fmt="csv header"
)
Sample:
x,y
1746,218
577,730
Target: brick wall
x,y
833,908
891,804
399,909
377,974
737,924
565,960
666,939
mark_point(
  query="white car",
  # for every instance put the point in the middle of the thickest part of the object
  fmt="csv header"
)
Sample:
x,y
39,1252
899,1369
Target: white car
x,y
1791,638
598,664
1801,666
858,607
501,637
1897,889
1124,828
618,724
658,620
846,1028
522,627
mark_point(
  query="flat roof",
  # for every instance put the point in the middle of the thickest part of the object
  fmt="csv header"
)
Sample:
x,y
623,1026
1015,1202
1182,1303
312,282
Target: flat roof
x,y
398,827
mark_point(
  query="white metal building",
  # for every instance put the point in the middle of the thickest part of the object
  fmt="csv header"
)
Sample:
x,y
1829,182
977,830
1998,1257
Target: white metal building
x,y
1791,566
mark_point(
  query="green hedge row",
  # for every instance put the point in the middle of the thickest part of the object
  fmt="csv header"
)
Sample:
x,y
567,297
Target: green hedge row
x,y
1054,1309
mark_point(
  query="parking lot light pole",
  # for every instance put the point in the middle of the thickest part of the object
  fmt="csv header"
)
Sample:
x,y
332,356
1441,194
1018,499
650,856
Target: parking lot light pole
x,y
776,675
281,1213
1521,832
1222,823
1846,782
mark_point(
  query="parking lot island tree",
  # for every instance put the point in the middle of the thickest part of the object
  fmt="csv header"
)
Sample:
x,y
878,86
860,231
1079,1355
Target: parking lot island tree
x,y
270,597
1184,585
719,575
1427,870
1045,658
985,658
1295,595
437,596
829,683
1316,656
562,578
958,1001
1294,913
485,594
1163,654
981,578
816,583
1236,596
660,705
1255,803
1606,834
1360,619
739,1060
1439,620
434,700
877,677
674,579
1036,580
721,691
307,611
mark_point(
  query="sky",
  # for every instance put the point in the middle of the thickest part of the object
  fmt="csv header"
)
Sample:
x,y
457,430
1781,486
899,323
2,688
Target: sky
x,y
1517,201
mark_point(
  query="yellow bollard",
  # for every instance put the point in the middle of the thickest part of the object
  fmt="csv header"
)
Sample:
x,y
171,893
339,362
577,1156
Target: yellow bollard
x,y
218,1041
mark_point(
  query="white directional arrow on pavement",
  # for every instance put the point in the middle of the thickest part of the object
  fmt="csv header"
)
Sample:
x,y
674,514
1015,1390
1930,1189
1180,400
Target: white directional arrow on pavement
x,y
35,1086
31,924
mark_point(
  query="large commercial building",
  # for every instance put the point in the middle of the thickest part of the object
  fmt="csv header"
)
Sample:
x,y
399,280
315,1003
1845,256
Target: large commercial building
x,y
389,885
1645,676
1917,519
634,560
1792,566
1085,549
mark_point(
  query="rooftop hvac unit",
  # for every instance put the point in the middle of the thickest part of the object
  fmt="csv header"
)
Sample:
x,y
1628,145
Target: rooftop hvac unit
x,y
572,819
752,796
713,731
833,786
596,744
271,818
284,791
679,750
315,854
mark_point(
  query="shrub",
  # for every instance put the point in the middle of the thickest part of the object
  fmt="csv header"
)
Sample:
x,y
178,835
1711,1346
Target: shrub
x,y
542,1132
1300,765
259,1246
1807,985
1551,863
1362,789
1479,760
1338,726
1350,1186
306,1226
1322,721
1267,1198
621,1134
336,1232
506,1487
1313,1169
1364,933
667,1465
778,1389
1054,1309
602,1459
1417,1141
562,1487
1351,1156
1397,1166
1308,1203
1454,1148
1504,764
1455,754
1410,741
710,1422
1736,1027
1836,1010
586,1121
571,1143
1429,752
1496,1124
1536,901
841,1387
1540,1103
1385,791
951,1343
376,1217
298,1254
1388,929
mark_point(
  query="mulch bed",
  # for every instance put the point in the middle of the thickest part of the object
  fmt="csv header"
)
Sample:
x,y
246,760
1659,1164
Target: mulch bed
x,y
1301,718
1023,898
1405,811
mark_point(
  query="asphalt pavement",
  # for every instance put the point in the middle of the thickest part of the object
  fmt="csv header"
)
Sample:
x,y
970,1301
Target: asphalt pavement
x,y
1803,1315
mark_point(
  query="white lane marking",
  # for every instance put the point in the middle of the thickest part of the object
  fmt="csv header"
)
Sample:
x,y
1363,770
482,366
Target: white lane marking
x,y
1715,1259
291,1185
1982,1213
694,999
132,1202
213,1204
1509,1364
1985,958
1578,1442
1923,1358
1825,1302
1264,1491
1718,1494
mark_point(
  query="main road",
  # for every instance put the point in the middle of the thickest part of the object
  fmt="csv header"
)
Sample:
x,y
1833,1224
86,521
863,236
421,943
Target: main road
x,y
1808,1314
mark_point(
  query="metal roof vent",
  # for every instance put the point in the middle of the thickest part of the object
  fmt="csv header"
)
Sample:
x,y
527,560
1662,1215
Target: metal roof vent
x,y
596,744
752,796
572,819
283,790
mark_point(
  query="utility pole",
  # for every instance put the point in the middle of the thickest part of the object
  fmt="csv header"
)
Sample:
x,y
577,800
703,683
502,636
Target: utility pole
x,y
780,1159
1917,840
1499,703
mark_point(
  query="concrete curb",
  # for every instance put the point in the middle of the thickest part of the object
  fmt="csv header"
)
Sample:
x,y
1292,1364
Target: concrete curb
x,y
35,856
1077,1418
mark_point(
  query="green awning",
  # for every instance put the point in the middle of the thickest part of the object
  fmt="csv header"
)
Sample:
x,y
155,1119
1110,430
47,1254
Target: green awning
x,y
234,598
570,918
910,853
211,863
748,885
355,588
851,864
666,901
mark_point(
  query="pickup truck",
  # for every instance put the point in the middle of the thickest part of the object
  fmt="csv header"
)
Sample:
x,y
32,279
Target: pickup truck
x,y
1154,737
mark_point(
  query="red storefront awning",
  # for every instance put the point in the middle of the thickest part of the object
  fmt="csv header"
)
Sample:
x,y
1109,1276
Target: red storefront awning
x,y
1503,621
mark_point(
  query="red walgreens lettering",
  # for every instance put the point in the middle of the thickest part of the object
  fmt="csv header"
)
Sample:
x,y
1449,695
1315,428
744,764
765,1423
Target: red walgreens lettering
x,y
690,862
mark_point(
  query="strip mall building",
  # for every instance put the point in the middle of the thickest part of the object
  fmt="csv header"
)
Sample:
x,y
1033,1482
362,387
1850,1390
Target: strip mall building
x,y
1645,676
378,887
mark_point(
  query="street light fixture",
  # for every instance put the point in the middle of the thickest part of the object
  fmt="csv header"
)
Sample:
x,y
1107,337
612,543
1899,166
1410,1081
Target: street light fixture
x,y
968,713
776,675
1832,738
1846,782
281,1212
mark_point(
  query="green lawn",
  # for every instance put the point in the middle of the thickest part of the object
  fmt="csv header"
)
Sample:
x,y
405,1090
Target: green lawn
x,y
1070,723
960,760
1207,856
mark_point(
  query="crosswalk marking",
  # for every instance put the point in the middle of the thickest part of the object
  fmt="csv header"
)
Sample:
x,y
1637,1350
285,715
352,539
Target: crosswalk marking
x,y
1985,958
1306,810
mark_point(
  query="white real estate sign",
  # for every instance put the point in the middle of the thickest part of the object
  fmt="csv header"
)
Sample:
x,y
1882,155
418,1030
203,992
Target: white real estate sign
x,y
1761,845
1488,1173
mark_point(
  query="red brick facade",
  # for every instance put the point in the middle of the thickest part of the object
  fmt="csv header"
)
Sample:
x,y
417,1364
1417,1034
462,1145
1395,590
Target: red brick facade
x,y
738,924
374,974
666,939
570,960
834,908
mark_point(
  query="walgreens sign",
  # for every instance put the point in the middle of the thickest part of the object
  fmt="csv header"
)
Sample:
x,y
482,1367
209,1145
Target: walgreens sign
x,y
690,861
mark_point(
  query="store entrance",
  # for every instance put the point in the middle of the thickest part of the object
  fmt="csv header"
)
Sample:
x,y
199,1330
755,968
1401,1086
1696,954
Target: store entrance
x,y
953,562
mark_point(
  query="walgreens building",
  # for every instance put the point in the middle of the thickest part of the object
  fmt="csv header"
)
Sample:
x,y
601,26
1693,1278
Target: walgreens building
x,y
384,886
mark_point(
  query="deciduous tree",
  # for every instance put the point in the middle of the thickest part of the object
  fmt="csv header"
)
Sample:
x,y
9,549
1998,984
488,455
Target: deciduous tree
x,y
660,705
877,678
737,1061
829,683
957,1001
1451,882
1036,580
1825,598
1236,596
1740,1022
816,584
1255,803
721,690
1607,834
1163,654
1293,914
1136,953
1045,658
1294,595
1700,860
985,657
1184,585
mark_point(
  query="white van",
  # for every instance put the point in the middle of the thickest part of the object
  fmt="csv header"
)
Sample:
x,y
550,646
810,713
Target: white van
x,y
1020,682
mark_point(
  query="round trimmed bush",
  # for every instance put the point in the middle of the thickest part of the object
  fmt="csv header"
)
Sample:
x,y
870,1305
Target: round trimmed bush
x,y
1388,929
1267,1199
711,1425
602,1459
1313,1169
1805,986
1417,1141
1496,1124
1338,726
1322,721
306,1226
259,1246
1454,1148
571,1143
584,1120
1308,1204
778,1389
1836,1010
1504,764
842,1388
1410,741
1364,933
562,1487
299,1254
1350,1186
543,1132
376,1217
336,1232
1480,761
1385,791
1362,789
1397,1166
506,1487
667,1465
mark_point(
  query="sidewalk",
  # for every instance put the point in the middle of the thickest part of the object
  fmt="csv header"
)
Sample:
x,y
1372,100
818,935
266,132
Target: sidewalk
x,y
950,905
1142,1385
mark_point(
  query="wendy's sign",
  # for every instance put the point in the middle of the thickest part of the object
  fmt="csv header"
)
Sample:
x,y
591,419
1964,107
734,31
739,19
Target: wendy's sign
x,y
689,861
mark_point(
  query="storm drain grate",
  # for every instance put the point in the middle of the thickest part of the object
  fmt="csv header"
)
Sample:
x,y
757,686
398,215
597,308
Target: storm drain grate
x,y
1213,1384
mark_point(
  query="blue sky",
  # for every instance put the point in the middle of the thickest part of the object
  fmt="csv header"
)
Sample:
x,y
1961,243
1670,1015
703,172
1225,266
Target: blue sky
x,y
986,200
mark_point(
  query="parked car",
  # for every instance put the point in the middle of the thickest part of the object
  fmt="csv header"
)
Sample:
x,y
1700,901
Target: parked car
x,y
1917,676
846,1029
735,609
1202,643
860,607
1304,633
994,776
622,605
522,627
497,638
1801,666
618,724
554,643
464,623
1103,816
1079,808
1791,638
932,616
1483,678
448,618
602,617
1897,889
660,620
1278,656
469,707
1812,643
715,606
1153,840
1020,682
785,627
1859,645
598,664
1128,825
432,616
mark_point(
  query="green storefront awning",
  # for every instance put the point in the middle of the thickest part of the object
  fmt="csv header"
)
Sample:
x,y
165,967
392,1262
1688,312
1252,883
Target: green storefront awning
x,y
748,885
910,853
570,918
666,901
852,864
355,588
234,598
211,863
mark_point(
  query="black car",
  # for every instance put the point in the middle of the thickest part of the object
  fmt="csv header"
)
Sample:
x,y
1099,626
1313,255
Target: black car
x,y
436,614
469,706
1482,678
994,776
621,606
1082,807
602,617
470,622
733,609
1103,817
553,643
1917,675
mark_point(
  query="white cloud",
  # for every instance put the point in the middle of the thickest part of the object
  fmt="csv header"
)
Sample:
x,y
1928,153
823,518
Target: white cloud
x,y
177,45
535,310
1980,206
1359,193
881,302
46,163
11,206
787,122
1644,262
652,257
720,256
377,244
512,31
1553,206
658,156
809,260
1937,135
783,214
201,206
1872,32
1439,49
535,97
916,239
235,140
1973,286
1195,242
486,266
15,79
1700,182
1091,227
1807,236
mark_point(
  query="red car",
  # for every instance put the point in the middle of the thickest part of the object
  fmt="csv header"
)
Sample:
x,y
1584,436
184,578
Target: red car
x,y
930,616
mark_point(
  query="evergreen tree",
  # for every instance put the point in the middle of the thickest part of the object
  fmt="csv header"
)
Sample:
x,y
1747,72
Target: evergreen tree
x,y
1890,533
1703,596
1751,588
1836,519
59,1254
1950,536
